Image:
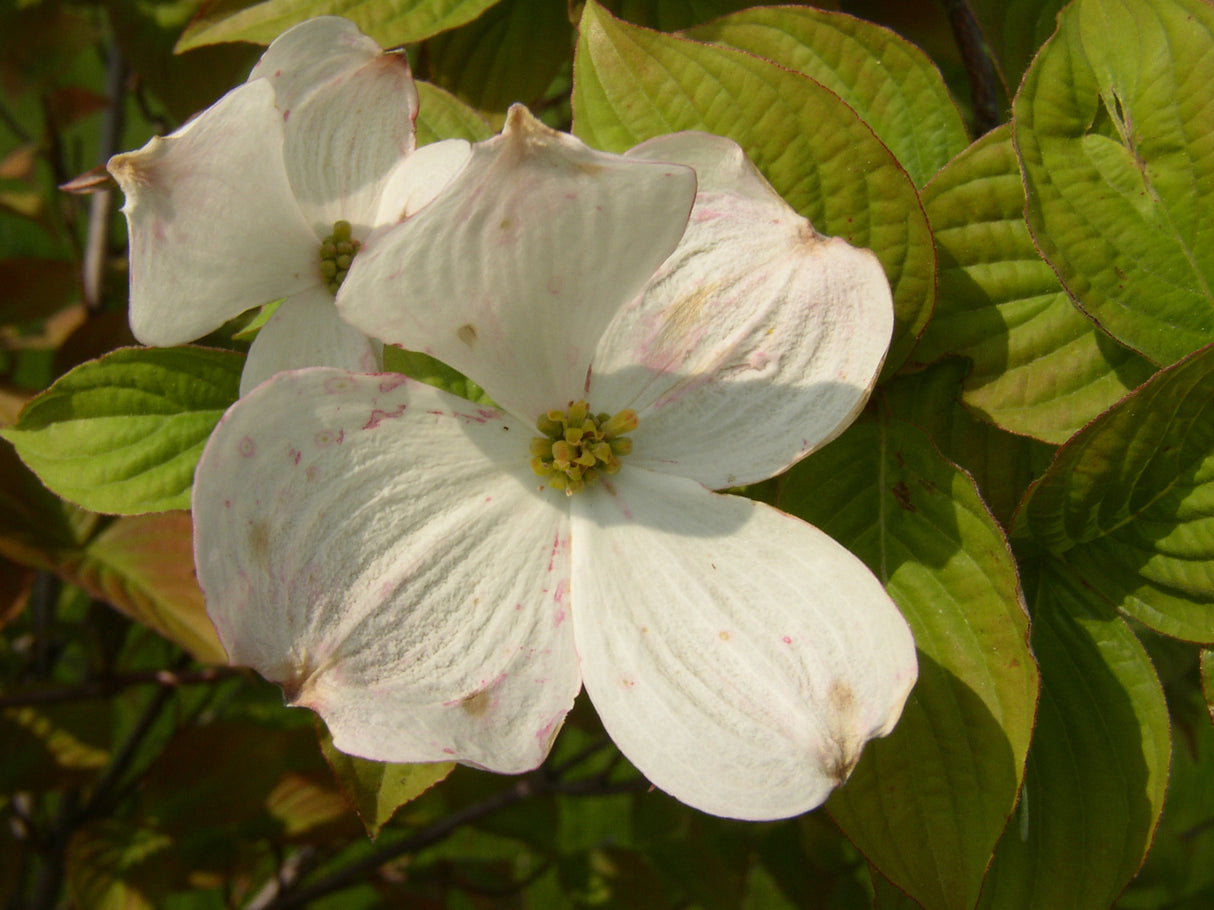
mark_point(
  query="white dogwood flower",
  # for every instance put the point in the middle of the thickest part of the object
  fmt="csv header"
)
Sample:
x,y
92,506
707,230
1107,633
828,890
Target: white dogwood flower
x,y
439,579
269,192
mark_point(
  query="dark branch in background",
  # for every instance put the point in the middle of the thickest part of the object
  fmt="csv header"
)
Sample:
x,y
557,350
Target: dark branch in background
x,y
121,763
104,688
984,86
538,783
97,240
43,598
72,813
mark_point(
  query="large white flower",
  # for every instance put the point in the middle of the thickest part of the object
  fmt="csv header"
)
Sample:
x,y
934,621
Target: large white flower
x,y
231,211
420,570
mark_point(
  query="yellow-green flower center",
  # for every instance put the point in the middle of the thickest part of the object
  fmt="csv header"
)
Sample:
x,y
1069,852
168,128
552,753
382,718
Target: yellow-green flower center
x,y
578,446
337,251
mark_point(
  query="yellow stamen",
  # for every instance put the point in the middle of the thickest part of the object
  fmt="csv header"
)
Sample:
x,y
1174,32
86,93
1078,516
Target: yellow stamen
x,y
579,446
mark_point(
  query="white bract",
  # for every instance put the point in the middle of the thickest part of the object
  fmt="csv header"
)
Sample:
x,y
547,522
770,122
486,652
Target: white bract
x,y
393,557
230,211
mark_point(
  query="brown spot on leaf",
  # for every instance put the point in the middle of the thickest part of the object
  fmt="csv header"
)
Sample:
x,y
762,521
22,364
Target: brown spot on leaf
x,y
466,333
902,494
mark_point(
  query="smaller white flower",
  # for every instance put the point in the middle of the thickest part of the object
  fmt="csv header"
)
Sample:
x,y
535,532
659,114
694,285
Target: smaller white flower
x,y
269,193
438,580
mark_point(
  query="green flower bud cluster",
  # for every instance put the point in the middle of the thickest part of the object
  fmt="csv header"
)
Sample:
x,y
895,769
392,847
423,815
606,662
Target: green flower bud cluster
x,y
578,446
337,251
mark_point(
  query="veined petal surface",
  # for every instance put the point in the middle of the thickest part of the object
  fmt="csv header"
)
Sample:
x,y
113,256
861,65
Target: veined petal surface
x,y
739,657
511,274
419,177
310,54
757,341
214,226
305,331
378,547
344,139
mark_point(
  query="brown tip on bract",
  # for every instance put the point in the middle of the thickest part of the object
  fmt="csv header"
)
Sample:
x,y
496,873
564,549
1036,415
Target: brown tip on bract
x,y
525,133
90,182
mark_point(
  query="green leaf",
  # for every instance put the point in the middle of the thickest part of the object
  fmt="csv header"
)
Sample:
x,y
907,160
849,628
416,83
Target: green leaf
x,y
377,789
390,22
1130,501
512,53
123,434
1179,871
425,368
927,804
1003,465
672,15
890,83
1040,367
144,566
1014,30
631,84
1114,127
1207,679
441,115
1098,767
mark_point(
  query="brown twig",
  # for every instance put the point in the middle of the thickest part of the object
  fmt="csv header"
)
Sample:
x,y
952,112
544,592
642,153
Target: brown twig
x,y
984,85
535,784
97,239
104,688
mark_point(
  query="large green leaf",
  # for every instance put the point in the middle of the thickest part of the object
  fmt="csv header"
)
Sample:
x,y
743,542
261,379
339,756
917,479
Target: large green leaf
x,y
1098,767
1115,128
890,83
441,115
511,53
927,804
390,22
377,789
1130,501
672,15
1014,30
1207,679
123,434
1040,367
1003,465
1179,871
632,84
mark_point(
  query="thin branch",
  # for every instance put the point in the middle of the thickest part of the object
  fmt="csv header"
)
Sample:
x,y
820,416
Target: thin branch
x,y
293,868
104,688
984,85
49,882
97,240
125,755
534,784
